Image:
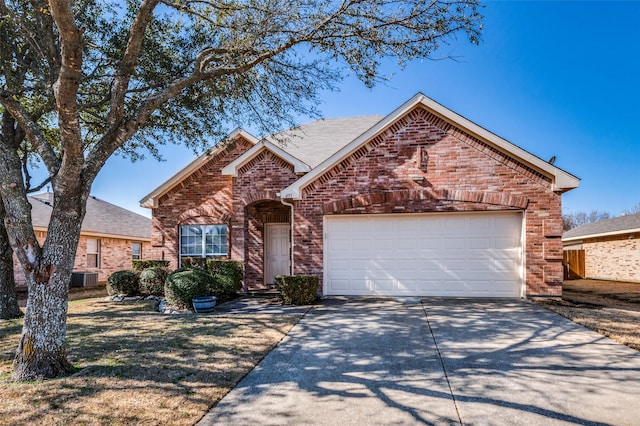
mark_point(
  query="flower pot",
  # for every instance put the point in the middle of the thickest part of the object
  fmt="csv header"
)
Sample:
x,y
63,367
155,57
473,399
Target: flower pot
x,y
204,304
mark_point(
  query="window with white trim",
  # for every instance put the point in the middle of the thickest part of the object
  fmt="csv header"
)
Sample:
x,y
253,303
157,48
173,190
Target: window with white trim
x,y
93,253
203,240
136,251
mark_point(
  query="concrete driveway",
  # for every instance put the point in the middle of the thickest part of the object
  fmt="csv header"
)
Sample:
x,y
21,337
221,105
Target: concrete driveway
x,y
387,361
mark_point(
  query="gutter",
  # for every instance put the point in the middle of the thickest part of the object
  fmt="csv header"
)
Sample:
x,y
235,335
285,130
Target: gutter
x,y
292,217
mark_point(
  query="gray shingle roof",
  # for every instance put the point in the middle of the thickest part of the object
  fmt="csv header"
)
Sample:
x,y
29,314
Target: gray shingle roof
x,y
101,217
314,142
617,225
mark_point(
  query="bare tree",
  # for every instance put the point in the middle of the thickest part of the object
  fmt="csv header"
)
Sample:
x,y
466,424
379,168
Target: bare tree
x,y
573,220
633,210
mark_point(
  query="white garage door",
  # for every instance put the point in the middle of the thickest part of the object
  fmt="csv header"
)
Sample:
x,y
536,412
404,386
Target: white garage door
x,y
452,254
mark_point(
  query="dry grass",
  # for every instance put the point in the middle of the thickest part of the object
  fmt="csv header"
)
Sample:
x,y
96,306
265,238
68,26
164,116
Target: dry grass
x,y
136,366
608,307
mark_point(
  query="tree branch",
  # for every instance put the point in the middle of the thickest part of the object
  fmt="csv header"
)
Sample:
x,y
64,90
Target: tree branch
x,y
128,63
66,86
32,131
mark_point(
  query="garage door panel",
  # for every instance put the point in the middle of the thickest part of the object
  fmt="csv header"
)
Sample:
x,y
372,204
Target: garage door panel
x,y
429,265
427,255
407,244
453,243
383,285
506,243
383,244
479,243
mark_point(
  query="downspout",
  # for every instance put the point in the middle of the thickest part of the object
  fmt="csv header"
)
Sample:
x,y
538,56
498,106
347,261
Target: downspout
x,y
291,206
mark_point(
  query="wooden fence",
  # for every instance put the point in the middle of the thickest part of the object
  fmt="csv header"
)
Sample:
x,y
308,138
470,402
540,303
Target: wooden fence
x,y
573,262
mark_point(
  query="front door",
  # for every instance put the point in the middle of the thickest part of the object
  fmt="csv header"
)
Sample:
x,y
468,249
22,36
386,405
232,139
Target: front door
x,y
277,256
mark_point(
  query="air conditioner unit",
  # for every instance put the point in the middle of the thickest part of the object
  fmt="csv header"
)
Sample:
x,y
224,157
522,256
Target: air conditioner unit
x,y
84,279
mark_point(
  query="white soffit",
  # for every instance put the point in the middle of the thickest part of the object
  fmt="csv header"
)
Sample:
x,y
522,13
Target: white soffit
x,y
151,200
562,181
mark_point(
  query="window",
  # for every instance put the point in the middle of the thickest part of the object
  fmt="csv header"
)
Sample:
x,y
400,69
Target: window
x,y
203,240
136,251
93,253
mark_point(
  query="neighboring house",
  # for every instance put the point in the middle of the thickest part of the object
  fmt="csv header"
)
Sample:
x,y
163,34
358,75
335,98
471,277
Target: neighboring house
x,y
421,202
110,236
610,248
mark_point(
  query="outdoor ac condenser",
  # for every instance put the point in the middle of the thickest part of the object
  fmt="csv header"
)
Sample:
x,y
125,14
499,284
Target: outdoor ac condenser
x,y
84,279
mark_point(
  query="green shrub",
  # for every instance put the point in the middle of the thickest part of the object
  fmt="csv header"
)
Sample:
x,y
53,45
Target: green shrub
x,y
141,265
227,276
194,262
123,282
152,280
184,284
298,289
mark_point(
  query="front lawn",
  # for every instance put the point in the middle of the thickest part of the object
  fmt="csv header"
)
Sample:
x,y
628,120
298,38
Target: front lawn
x,y
611,308
136,366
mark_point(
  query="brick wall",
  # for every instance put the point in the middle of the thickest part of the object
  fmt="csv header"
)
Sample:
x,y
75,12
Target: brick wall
x,y
613,258
461,174
256,188
420,164
202,198
115,255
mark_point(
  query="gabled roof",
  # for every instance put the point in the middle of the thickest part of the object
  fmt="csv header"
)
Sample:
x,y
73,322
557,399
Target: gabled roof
x,y
231,169
308,145
316,141
102,218
618,225
150,200
562,181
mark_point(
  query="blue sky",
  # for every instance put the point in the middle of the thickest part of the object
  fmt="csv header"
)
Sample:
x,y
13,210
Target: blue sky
x,y
555,78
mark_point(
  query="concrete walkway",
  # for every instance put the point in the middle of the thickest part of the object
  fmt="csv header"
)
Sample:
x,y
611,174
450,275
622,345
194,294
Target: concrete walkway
x,y
386,361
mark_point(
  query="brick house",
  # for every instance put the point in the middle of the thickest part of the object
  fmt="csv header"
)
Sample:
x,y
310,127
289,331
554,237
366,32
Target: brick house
x,y
110,237
608,249
420,202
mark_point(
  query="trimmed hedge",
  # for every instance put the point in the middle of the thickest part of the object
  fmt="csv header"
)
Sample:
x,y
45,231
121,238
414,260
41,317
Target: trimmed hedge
x,y
152,280
298,289
227,275
194,262
185,284
140,265
123,282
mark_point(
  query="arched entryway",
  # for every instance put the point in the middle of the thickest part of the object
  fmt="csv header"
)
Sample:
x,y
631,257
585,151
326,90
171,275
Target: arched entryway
x,y
268,242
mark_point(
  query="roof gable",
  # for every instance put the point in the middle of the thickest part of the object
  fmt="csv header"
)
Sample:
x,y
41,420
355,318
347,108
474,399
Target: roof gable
x,y
102,218
562,181
231,169
151,200
615,226
316,141
308,145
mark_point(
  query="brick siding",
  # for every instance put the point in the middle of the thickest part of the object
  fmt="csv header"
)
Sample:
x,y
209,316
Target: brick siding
x,y
463,174
615,258
115,255
389,174
205,198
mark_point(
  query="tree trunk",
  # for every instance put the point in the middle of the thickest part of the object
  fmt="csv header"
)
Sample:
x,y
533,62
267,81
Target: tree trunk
x,y
41,353
9,308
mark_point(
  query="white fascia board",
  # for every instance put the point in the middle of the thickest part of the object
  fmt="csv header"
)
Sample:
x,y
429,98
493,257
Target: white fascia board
x,y
151,200
562,181
231,169
602,234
